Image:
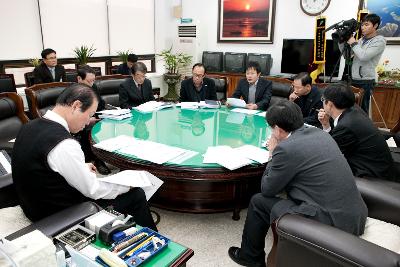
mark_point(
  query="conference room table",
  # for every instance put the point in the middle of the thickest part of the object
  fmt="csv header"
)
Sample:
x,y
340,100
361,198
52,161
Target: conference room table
x,y
191,186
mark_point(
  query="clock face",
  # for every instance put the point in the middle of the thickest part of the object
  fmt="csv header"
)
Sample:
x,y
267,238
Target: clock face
x,y
314,7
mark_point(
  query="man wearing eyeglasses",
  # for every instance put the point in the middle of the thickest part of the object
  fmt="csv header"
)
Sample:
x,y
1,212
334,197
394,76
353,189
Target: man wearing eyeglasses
x,y
48,71
138,90
307,97
198,87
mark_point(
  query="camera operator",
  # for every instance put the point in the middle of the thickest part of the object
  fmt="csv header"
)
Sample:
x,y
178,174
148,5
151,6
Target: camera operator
x,y
366,55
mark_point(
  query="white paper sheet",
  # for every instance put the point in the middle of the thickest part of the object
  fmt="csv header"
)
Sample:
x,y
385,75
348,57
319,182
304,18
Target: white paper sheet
x,y
130,178
226,157
254,153
114,112
391,142
236,102
245,111
115,143
12,141
262,114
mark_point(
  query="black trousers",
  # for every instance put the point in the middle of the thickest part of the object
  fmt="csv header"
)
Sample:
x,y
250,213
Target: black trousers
x,y
133,203
261,213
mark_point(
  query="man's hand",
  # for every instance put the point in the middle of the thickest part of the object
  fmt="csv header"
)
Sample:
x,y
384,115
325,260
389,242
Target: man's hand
x,y
293,96
272,142
351,40
91,167
251,106
324,119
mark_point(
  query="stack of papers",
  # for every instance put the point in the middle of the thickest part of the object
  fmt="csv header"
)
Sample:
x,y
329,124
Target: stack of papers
x,y
236,102
245,111
226,157
152,106
201,104
115,114
234,158
143,179
146,150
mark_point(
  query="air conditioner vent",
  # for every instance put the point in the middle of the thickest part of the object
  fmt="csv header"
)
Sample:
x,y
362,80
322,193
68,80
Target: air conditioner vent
x,y
187,31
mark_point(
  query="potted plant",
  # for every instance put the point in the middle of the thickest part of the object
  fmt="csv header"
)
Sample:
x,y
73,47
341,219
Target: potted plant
x,y
123,55
35,62
83,53
172,63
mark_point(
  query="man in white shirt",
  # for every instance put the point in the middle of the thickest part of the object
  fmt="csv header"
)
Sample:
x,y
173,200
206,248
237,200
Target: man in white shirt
x,y
49,169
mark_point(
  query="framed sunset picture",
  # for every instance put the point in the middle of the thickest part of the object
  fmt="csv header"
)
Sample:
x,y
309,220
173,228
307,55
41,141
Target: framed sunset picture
x,y
246,21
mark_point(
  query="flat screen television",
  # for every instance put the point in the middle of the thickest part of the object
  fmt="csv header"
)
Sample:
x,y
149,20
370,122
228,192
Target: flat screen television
x,y
298,54
212,61
264,60
235,62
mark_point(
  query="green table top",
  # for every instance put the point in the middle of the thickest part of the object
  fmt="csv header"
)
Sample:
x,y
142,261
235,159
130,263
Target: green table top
x,y
189,129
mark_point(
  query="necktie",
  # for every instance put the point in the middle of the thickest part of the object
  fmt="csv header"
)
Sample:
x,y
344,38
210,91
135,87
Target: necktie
x,y
140,90
53,73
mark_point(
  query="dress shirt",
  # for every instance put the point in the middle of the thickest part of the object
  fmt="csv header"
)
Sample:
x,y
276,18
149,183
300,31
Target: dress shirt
x,y
53,72
335,122
67,159
252,92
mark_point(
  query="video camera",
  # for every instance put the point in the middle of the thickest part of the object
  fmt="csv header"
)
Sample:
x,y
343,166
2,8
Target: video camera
x,y
344,30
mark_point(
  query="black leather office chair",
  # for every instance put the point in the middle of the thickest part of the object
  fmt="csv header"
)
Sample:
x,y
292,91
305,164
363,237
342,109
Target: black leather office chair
x,y
29,79
42,97
108,87
7,83
12,117
305,242
281,89
221,85
71,75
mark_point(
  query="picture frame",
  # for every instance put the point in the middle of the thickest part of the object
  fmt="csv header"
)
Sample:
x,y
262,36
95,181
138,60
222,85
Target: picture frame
x,y
389,11
246,21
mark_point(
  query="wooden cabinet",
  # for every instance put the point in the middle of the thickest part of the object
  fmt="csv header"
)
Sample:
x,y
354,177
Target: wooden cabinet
x,y
385,106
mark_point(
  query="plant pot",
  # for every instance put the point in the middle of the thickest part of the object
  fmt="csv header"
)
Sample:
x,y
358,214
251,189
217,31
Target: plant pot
x,y
171,79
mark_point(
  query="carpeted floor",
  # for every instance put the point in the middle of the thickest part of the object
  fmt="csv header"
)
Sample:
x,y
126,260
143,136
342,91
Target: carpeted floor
x,y
209,235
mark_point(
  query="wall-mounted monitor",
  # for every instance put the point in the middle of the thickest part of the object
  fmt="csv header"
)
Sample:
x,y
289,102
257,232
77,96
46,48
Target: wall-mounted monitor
x,y
298,55
265,61
235,62
212,61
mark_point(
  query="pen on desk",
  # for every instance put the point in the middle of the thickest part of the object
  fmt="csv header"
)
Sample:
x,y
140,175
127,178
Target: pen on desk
x,y
129,242
145,242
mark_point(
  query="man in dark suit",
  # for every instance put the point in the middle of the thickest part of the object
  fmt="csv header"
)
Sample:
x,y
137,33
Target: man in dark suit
x,y
307,97
126,68
138,90
198,87
48,71
87,75
307,165
359,140
256,91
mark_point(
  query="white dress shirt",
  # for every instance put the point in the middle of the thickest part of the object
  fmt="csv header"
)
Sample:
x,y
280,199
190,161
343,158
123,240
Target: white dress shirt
x,y
335,122
67,159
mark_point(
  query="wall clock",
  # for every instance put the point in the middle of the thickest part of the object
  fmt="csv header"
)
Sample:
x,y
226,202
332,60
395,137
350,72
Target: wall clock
x,y
314,7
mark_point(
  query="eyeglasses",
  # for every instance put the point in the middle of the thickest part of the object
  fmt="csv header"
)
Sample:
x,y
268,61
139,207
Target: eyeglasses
x,y
198,76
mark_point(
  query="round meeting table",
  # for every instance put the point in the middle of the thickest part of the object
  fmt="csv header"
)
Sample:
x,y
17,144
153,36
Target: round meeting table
x,y
191,186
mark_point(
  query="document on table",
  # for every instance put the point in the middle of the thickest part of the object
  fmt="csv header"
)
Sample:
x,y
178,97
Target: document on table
x,y
254,153
262,114
245,111
151,106
132,178
391,142
114,112
188,105
236,102
115,143
12,141
226,157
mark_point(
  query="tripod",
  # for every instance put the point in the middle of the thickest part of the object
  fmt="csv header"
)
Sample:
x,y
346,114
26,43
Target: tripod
x,y
346,53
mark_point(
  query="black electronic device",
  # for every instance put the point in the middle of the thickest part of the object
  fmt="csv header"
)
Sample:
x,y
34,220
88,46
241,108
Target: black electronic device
x,y
235,62
213,61
106,231
265,61
298,55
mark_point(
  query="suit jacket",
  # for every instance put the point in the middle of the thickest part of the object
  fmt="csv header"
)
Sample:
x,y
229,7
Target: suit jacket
x,y
190,94
124,69
263,92
363,146
309,166
310,104
42,74
130,96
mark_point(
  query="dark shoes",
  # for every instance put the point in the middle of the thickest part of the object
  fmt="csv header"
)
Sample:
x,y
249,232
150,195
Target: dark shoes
x,y
234,254
101,167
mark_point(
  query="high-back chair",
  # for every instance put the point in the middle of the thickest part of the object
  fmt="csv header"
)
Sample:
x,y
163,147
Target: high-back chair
x,y
281,89
221,85
42,97
29,78
7,83
108,87
71,75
